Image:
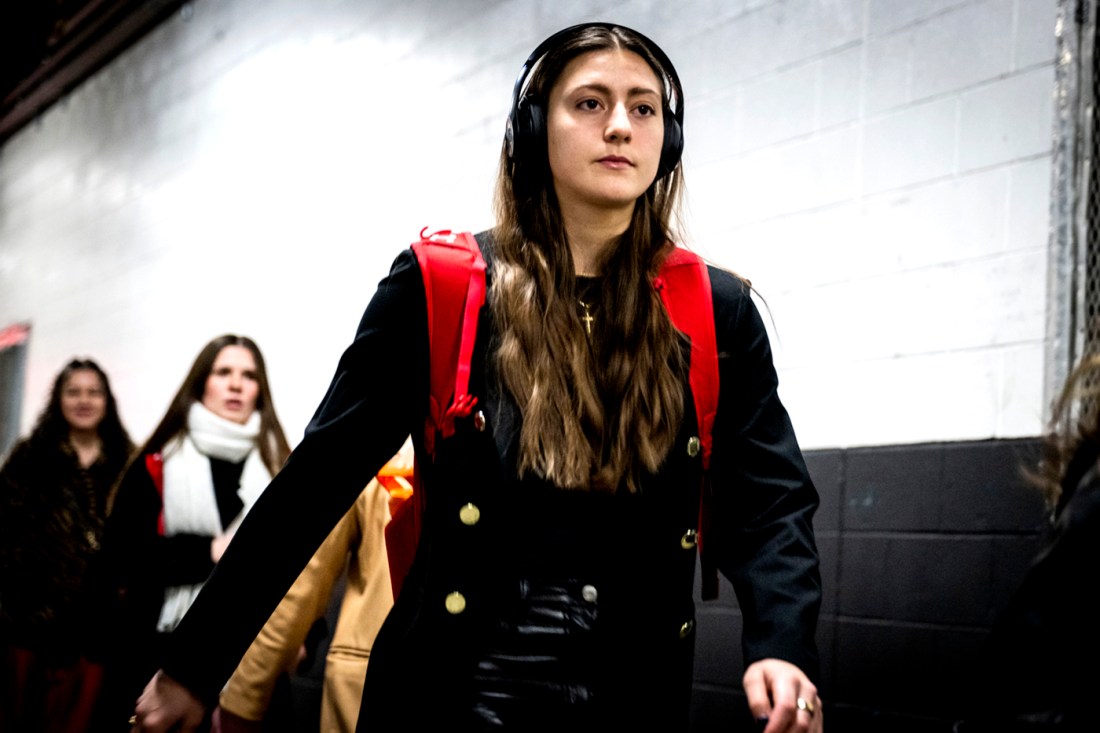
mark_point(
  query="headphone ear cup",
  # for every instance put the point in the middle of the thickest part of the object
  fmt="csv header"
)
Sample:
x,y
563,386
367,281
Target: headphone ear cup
x,y
673,146
528,132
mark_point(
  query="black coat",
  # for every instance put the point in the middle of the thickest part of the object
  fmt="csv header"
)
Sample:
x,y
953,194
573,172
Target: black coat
x,y
137,565
51,522
1039,662
532,542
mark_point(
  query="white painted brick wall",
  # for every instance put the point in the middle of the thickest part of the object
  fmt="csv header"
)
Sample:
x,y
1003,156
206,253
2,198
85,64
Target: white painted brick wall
x,y
880,169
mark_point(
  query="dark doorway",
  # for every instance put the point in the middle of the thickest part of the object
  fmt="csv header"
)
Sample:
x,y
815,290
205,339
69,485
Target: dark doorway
x,y
13,357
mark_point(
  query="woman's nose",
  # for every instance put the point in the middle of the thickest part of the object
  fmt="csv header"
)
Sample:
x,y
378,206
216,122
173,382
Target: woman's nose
x,y
618,124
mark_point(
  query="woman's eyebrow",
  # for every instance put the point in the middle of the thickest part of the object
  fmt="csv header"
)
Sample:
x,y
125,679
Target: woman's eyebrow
x,y
604,89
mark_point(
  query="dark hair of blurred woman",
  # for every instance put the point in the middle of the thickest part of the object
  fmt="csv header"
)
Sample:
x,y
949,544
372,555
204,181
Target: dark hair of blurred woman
x,y
53,428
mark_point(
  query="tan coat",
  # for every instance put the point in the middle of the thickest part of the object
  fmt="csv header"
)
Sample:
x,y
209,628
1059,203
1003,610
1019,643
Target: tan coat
x,y
366,602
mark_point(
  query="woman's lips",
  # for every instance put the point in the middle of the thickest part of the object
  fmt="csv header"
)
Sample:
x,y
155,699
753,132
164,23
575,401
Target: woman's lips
x,y
616,161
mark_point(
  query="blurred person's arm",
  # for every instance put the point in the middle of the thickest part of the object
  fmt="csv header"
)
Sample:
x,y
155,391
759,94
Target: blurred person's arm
x,y
276,648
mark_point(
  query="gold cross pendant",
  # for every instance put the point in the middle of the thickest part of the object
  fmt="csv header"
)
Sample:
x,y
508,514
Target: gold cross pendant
x,y
588,318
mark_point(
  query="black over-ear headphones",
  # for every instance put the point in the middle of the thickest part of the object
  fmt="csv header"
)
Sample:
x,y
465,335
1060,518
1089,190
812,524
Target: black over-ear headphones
x,y
525,135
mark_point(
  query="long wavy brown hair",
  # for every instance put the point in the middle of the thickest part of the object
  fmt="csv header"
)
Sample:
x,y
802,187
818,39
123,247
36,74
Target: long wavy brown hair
x,y
599,412
1075,421
272,442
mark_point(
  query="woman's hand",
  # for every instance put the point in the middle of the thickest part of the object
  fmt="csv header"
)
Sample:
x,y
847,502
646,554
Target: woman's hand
x,y
218,545
224,721
167,705
784,695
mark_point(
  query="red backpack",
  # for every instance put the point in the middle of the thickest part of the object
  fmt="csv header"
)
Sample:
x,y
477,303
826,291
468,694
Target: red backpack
x,y
453,270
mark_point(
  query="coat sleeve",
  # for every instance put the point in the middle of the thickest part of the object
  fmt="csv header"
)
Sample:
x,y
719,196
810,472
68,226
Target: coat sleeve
x,y
371,406
763,498
275,649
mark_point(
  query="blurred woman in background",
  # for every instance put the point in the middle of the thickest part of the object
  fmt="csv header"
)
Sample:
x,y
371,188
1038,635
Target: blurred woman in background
x,y
53,502
180,501
1040,659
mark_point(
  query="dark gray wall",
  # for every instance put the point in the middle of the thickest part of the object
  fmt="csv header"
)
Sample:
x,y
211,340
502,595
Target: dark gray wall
x,y
921,546
12,365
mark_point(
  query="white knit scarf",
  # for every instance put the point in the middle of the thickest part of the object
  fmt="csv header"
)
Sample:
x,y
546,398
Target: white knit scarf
x,y
190,505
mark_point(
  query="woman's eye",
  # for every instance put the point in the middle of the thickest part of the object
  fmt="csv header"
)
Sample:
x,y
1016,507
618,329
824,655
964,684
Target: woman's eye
x,y
589,104
645,110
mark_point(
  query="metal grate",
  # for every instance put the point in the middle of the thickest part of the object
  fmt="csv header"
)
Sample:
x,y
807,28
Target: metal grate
x,y
1090,305
1073,308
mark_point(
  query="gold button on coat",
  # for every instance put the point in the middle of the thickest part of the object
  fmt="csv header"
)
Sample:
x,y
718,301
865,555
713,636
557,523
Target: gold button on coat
x,y
469,515
693,446
455,603
479,421
688,540
686,628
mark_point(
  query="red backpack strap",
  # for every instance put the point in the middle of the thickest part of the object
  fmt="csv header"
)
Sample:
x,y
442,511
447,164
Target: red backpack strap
x,y
154,464
454,287
684,286
453,271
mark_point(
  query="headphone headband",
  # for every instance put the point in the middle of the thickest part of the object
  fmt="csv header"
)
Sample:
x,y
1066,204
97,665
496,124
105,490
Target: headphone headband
x,y
526,120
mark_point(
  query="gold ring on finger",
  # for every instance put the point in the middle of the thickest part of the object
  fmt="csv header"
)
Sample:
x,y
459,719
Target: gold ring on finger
x,y
804,704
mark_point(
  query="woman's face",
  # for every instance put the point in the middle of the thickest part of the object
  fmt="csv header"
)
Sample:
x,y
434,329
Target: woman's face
x,y
83,400
604,130
232,387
